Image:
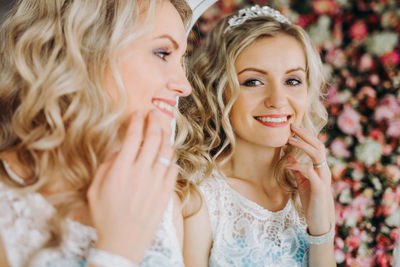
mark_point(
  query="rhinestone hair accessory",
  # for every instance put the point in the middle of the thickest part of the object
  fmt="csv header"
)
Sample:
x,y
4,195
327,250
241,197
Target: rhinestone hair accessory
x,y
253,12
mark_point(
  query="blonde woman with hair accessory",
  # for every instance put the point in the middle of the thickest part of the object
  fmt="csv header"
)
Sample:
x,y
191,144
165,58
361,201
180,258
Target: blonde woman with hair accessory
x,y
87,95
249,138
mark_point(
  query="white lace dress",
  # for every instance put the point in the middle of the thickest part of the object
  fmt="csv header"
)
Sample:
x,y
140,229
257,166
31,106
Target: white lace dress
x,y
246,234
23,229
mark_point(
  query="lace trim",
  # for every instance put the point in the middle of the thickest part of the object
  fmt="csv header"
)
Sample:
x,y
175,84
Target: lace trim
x,y
24,229
244,233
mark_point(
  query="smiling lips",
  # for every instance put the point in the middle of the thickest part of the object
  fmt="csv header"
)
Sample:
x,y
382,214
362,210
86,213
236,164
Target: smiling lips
x,y
166,106
274,120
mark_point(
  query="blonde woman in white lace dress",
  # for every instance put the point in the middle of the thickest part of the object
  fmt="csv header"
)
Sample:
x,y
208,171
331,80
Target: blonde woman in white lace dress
x,y
255,112
87,96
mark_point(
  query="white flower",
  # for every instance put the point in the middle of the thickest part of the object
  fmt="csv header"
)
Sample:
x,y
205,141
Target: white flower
x,y
320,32
382,42
351,220
345,196
394,219
377,184
363,250
369,151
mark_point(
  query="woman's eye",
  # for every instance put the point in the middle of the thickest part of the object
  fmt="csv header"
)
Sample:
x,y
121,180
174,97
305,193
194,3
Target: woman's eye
x,y
293,82
252,82
161,53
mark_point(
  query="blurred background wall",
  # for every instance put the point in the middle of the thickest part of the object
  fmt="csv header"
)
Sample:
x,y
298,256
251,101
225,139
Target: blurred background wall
x,y
359,43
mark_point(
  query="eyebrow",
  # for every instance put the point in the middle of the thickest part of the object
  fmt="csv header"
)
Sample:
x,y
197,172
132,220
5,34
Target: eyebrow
x,y
265,72
169,37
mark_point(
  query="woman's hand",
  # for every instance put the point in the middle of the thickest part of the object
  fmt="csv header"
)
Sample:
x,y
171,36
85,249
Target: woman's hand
x,y
314,182
130,191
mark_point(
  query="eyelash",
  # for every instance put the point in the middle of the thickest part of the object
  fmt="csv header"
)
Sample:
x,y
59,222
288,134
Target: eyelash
x,y
290,82
161,53
250,82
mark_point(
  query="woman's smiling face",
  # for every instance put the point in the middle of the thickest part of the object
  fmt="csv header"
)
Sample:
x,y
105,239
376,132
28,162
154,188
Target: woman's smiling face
x,y
151,66
273,91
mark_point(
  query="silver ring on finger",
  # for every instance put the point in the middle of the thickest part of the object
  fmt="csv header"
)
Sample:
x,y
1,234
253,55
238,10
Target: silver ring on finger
x,y
319,165
164,161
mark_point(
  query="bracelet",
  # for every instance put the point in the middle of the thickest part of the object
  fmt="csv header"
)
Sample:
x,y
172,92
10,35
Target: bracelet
x,y
106,259
321,239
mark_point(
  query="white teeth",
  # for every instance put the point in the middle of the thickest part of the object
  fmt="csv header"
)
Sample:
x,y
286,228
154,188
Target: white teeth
x,y
163,105
269,119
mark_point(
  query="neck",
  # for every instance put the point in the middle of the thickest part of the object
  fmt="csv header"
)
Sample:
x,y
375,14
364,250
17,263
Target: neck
x,y
253,163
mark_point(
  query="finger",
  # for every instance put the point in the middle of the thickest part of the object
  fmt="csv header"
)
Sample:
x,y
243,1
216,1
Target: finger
x,y
306,170
316,155
151,142
99,178
166,189
169,181
164,158
132,140
308,137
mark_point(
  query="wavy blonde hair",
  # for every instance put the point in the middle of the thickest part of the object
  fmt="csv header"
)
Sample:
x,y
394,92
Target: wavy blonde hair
x,y
205,137
55,113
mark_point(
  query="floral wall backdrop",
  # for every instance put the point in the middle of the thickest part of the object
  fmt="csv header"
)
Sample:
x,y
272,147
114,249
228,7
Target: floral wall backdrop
x,y
359,42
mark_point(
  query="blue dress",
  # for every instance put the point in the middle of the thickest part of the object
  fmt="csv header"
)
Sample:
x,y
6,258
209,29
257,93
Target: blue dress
x,y
246,234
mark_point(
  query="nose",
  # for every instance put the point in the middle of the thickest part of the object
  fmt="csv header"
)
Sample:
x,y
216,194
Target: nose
x,y
179,83
275,96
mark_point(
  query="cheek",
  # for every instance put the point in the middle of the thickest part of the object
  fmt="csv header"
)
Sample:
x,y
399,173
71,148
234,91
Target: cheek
x,y
139,89
301,107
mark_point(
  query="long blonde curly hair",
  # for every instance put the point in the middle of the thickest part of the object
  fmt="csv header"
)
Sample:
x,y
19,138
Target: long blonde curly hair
x,y
55,113
205,138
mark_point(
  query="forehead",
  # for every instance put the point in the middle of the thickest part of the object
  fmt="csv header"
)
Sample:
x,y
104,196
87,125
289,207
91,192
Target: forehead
x,y
167,21
282,50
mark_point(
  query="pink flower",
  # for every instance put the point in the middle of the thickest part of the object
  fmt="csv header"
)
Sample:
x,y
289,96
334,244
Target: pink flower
x,y
350,82
338,170
366,62
377,135
394,235
336,57
389,202
390,59
321,7
352,242
366,91
387,149
349,120
383,113
388,108
394,128
358,30
339,148
374,79
332,96
393,172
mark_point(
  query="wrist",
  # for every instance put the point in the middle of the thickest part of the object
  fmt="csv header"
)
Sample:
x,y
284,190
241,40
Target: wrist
x,y
322,238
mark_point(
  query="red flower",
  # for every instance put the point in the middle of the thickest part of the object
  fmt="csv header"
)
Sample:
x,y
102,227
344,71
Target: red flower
x,y
383,260
390,59
382,241
358,31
